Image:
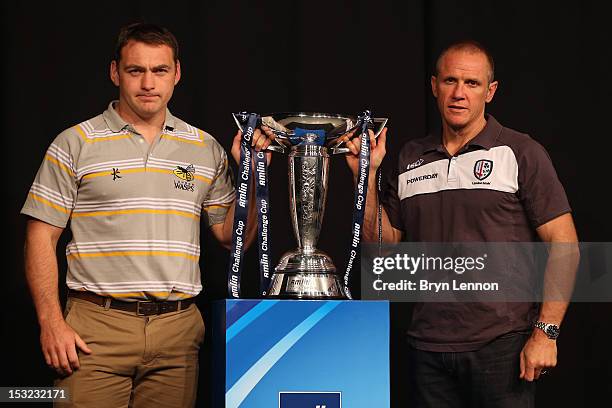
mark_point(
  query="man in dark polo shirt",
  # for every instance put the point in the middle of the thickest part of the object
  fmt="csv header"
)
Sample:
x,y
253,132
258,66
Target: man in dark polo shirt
x,y
477,182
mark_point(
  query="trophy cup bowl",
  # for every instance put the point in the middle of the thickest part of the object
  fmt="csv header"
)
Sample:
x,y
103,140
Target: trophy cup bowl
x,y
309,139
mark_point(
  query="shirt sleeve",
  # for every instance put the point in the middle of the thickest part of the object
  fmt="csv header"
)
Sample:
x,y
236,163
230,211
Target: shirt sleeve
x,y
221,193
54,191
540,189
389,198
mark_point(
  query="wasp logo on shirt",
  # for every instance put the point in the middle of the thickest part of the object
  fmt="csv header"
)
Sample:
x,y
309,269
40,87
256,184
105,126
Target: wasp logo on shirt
x,y
483,169
186,174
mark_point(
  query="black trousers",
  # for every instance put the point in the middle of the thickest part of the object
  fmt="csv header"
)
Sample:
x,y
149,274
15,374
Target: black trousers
x,y
486,378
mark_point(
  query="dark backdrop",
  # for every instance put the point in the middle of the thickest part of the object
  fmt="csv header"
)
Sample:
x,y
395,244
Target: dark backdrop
x,y
552,63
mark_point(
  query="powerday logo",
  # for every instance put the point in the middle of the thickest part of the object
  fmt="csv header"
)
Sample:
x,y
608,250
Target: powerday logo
x,y
186,175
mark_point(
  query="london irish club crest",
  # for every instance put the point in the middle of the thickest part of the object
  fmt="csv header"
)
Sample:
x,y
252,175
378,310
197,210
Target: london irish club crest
x,y
483,168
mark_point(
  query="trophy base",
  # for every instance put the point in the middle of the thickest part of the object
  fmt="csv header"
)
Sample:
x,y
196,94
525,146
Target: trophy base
x,y
306,275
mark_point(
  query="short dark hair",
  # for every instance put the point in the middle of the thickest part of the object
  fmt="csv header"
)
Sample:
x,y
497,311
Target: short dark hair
x,y
469,46
147,33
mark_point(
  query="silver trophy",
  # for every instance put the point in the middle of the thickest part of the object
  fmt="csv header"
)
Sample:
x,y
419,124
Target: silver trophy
x,y
309,139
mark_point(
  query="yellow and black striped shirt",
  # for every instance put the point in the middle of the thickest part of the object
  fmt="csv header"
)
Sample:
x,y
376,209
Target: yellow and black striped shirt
x,y
134,208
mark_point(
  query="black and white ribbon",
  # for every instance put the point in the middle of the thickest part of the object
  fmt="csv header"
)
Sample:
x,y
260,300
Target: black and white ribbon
x,y
241,209
263,221
361,193
241,212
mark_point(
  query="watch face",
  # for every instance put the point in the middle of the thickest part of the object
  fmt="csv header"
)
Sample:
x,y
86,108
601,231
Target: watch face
x,y
552,331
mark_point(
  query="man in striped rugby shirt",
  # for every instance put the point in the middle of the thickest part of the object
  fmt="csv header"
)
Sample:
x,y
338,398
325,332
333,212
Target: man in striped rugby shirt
x,y
133,182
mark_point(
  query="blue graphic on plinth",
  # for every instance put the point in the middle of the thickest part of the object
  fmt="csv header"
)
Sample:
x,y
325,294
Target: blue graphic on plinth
x,y
294,353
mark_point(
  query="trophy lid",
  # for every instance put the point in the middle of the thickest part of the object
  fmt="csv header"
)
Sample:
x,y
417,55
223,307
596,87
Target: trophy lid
x,y
332,130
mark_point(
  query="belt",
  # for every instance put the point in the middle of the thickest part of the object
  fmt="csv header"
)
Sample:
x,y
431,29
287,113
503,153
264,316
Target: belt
x,y
141,308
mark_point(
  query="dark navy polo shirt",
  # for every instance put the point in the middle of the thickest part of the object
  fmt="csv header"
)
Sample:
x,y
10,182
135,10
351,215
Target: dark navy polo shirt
x,y
500,187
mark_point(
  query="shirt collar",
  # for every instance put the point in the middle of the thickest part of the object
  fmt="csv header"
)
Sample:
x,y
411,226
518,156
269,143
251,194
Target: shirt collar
x,y
488,135
116,123
485,138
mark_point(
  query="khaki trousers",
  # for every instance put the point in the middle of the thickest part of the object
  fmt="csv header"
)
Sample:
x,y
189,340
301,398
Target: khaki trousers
x,y
136,361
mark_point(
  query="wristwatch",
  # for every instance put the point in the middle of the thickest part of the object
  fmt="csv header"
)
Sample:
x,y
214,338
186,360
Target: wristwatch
x,y
551,330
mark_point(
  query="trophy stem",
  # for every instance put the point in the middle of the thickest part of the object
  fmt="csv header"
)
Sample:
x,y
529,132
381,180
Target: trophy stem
x,y
307,272
308,176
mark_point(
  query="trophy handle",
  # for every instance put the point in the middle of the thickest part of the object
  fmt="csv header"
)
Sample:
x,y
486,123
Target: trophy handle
x,y
238,123
278,147
378,125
